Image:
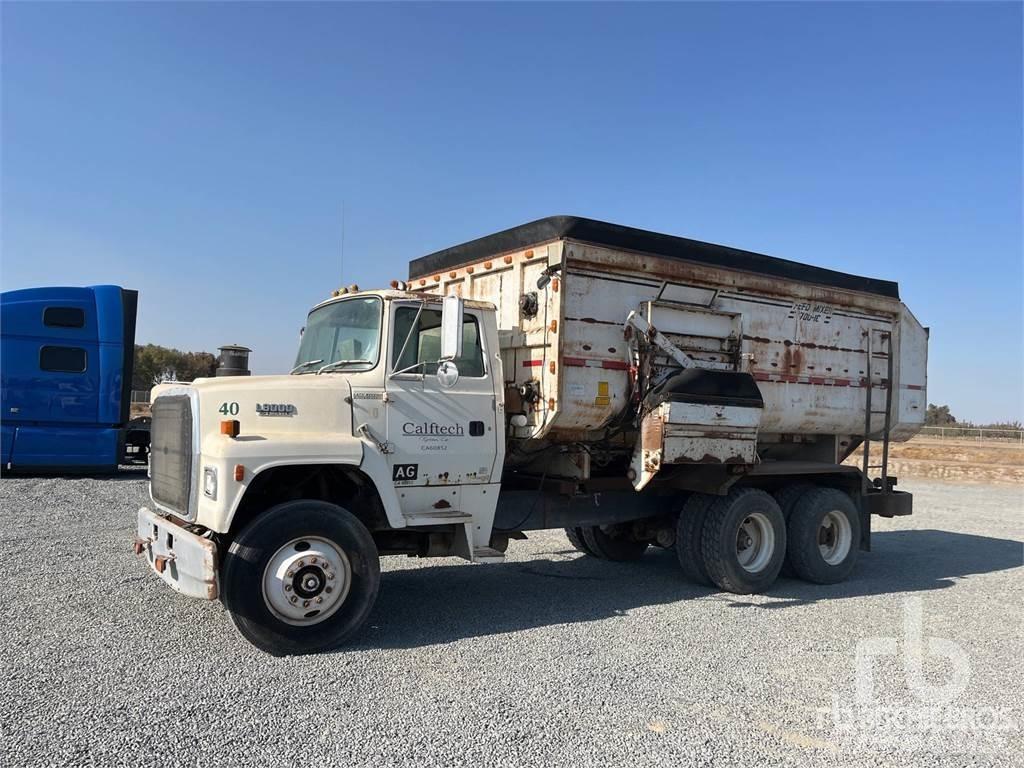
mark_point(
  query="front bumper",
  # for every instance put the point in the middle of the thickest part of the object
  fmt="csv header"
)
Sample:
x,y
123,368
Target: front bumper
x,y
179,554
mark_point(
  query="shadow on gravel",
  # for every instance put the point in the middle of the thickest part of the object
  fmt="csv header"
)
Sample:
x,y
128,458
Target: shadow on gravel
x,y
905,561
125,472
427,606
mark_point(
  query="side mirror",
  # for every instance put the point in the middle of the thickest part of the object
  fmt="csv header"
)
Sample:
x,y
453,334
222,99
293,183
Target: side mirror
x,y
451,328
447,374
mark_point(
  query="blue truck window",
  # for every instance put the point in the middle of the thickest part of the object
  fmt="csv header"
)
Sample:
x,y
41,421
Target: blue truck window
x,y
62,359
64,317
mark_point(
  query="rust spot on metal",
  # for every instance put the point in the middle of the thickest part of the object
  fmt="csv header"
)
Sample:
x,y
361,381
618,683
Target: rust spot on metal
x,y
488,264
551,366
437,278
442,504
554,326
469,270
554,285
508,259
529,254
453,273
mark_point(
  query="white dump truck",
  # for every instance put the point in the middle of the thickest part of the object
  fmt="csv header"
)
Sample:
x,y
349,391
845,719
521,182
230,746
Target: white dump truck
x,y
633,388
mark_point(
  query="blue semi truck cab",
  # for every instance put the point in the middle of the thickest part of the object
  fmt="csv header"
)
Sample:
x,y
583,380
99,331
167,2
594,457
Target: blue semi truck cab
x,y
66,358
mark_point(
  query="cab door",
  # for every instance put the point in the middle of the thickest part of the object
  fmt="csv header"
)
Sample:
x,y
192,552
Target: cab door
x,y
441,434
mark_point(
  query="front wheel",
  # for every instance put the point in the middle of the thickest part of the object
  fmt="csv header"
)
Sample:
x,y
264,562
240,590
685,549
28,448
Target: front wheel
x,y
301,578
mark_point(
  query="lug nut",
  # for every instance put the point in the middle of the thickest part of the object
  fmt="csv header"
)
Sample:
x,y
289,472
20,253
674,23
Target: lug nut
x,y
290,574
319,599
305,603
330,575
294,599
301,563
287,587
312,561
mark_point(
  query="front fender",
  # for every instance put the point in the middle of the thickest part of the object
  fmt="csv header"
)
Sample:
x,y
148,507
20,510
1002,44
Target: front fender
x,y
258,454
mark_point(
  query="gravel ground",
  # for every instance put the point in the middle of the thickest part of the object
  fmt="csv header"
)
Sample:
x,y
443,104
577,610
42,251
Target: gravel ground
x,y
549,659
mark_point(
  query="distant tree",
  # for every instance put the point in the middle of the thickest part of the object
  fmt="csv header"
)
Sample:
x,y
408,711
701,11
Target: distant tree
x,y
196,365
154,364
938,416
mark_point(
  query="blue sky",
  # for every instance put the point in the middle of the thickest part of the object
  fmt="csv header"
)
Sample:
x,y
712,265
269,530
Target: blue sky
x,y
202,153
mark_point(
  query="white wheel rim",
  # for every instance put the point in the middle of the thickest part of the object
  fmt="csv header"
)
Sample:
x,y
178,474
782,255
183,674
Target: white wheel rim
x,y
755,542
306,580
835,537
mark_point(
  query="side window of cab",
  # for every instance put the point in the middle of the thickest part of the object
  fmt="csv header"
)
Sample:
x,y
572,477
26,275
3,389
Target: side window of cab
x,y
416,343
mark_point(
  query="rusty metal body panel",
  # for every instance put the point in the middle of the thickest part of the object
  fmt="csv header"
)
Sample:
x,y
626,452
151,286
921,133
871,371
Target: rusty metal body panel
x,y
181,557
803,341
694,433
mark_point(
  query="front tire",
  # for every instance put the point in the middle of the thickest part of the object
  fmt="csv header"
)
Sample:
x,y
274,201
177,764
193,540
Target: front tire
x,y
744,541
301,578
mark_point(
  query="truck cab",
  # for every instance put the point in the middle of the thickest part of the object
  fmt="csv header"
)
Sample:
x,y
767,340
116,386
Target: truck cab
x,y
67,372
392,415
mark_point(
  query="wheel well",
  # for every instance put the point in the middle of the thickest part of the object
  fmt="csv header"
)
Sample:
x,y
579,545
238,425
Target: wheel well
x,y
844,481
346,486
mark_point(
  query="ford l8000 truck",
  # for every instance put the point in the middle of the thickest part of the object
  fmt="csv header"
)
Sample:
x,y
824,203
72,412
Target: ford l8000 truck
x,y
636,389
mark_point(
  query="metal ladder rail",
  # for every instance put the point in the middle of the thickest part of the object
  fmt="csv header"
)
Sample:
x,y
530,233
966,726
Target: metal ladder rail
x,y
866,465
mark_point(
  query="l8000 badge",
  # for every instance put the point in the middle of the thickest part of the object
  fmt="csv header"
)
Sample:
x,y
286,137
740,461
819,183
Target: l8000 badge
x,y
275,409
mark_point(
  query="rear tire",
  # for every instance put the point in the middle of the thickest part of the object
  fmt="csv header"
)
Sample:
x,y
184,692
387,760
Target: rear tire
x,y
787,497
824,536
300,578
744,541
612,542
575,537
689,529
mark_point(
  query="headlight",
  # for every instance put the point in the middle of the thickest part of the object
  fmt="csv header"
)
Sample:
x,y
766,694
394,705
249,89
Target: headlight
x,y
210,482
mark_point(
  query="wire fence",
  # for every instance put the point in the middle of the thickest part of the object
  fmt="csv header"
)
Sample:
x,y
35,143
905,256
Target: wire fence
x,y
975,433
140,395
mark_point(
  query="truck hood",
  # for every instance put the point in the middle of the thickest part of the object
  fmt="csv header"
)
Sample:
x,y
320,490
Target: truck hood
x,y
264,405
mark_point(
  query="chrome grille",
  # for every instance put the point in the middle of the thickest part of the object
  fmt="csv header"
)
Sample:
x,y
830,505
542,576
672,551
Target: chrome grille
x,y
170,453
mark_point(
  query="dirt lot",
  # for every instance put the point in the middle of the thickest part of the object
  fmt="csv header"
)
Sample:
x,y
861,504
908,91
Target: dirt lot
x,y
969,461
551,658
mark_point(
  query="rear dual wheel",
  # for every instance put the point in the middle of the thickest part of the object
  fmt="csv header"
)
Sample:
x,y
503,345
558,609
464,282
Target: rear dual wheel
x,y
824,536
743,541
689,529
606,542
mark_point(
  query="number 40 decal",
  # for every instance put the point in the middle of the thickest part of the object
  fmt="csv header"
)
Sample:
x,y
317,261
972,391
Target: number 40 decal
x,y
229,409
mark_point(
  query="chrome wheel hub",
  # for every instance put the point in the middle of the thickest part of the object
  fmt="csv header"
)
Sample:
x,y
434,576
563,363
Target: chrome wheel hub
x,y
755,542
835,537
306,580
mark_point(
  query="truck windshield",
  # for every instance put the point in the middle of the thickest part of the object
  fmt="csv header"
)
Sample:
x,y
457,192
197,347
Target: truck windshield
x,y
346,332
